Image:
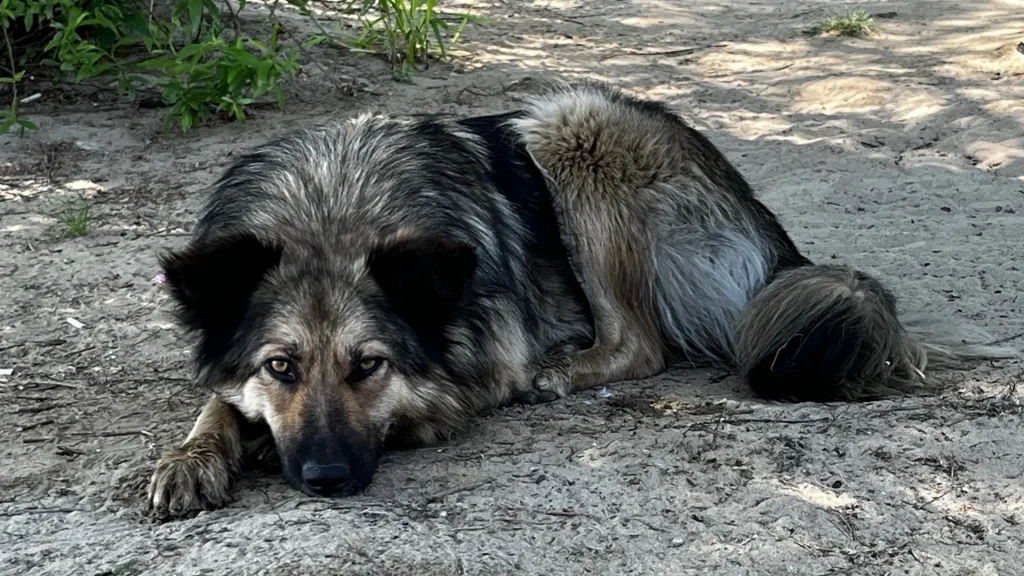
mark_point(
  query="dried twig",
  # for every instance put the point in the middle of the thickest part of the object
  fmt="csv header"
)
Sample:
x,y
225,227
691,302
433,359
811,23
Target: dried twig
x,y
1004,340
676,52
464,488
8,513
36,409
113,433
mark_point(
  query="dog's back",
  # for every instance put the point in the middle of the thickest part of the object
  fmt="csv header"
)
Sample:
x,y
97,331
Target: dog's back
x,y
676,254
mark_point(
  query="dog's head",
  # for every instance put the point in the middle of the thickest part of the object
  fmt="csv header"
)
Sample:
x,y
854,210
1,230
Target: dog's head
x,y
331,348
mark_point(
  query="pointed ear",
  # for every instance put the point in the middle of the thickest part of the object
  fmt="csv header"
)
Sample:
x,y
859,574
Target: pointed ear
x,y
423,278
213,281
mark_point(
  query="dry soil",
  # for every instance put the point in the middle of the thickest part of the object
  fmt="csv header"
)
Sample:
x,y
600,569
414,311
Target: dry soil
x,y
902,153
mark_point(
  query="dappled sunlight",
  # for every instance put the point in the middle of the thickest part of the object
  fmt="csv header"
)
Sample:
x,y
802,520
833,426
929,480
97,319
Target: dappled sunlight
x,y
982,41
955,501
991,155
20,189
30,223
555,4
787,88
816,495
751,125
655,13
777,47
860,94
591,457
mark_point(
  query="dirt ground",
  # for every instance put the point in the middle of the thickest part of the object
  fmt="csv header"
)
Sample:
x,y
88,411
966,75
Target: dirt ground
x,y
902,154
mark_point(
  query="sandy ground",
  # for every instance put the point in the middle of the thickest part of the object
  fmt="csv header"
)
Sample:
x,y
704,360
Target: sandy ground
x,y
902,154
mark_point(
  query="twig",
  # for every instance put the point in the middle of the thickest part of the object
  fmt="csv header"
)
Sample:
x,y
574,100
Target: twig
x,y
1007,339
114,434
80,350
676,52
55,383
648,524
465,488
37,424
562,513
14,67
936,499
36,409
68,451
735,421
234,19
8,513
751,71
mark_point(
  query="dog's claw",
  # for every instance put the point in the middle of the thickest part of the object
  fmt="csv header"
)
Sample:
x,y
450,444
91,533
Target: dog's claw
x,y
186,481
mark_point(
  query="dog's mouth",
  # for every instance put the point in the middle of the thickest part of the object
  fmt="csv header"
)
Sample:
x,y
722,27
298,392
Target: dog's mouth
x,y
339,491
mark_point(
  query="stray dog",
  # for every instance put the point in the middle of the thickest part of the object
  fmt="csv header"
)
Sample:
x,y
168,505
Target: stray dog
x,y
383,280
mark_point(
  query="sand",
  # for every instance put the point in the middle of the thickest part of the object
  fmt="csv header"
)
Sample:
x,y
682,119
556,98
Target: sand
x,y
902,154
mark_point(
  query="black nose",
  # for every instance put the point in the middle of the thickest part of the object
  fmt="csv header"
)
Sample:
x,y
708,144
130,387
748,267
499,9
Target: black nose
x,y
326,478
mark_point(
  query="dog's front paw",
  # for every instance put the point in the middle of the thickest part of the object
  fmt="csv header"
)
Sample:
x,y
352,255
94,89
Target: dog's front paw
x,y
189,479
552,382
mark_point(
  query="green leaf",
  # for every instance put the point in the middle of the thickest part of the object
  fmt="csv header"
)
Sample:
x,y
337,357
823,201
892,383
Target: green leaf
x,y
313,41
190,50
156,63
263,74
195,13
244,57
8,122
27,124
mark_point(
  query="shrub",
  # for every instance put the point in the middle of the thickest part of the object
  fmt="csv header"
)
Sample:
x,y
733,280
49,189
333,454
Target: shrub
x,y
200,64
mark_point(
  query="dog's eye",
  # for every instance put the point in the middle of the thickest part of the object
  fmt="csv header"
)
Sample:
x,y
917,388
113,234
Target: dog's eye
x,y
365,368
281,369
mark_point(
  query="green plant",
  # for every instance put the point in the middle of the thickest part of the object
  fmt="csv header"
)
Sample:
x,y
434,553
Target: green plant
x,y
73,217
199,66
9,116
218,76
407,32
856,23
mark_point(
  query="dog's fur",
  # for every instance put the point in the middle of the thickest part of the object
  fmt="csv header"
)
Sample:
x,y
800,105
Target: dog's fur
x,y
401,275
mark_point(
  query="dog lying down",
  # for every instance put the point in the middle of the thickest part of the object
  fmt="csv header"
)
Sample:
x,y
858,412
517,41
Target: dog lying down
x,y
382,280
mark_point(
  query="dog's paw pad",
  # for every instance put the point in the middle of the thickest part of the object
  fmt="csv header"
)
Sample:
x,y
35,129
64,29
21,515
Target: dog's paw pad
x,y
551,383
531,397
187,481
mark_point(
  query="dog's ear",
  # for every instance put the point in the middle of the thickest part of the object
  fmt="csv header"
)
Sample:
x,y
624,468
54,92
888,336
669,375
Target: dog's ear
x,y
213,281
423,278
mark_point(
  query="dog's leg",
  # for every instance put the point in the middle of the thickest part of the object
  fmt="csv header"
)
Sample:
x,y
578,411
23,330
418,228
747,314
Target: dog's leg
x,y
197,475
608,163
611,258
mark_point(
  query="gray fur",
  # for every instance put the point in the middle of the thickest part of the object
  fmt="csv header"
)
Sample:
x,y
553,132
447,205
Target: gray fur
x,y
487,260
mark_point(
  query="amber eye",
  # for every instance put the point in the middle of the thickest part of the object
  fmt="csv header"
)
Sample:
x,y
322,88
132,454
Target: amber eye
x,y
365,368
282,369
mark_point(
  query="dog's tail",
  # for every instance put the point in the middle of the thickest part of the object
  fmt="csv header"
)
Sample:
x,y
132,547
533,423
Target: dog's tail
x,y
821,333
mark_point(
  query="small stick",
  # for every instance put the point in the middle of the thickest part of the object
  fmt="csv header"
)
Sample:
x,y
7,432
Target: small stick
x,y
565,514
36,409
8,513
465,488
114,433
1007,339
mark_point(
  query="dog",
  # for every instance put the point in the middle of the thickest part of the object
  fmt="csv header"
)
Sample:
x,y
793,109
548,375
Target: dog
x,y
382,280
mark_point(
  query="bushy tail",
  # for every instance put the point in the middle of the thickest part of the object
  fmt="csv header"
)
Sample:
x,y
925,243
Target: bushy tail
x,y
822,333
